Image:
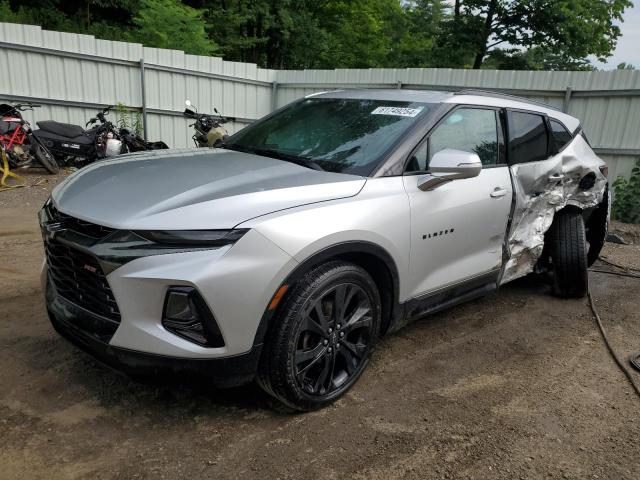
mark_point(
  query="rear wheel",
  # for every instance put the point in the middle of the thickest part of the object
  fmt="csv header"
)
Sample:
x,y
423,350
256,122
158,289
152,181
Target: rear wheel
x,y
569,255
46,159
322,338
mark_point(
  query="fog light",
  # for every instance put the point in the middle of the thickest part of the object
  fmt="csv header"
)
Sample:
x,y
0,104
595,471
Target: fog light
x,y
187,315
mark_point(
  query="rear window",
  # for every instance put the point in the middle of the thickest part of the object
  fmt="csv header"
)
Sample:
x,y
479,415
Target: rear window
x,y
528,137
561,135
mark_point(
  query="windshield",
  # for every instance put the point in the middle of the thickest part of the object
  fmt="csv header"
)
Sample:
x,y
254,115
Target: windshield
x,y
341,135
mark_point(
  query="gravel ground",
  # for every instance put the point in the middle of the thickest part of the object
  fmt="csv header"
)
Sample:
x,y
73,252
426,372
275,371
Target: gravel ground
x,y
515,385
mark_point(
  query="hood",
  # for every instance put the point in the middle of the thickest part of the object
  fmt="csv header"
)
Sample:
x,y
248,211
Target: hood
x,y
194,189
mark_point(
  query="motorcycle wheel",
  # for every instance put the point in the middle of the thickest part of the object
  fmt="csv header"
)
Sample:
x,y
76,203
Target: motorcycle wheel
x,y
45,158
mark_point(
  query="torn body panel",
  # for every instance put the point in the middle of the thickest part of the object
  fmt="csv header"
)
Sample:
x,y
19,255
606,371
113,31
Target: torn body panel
x,y
543,188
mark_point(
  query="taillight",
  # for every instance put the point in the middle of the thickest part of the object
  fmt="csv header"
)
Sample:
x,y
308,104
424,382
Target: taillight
x,y
604,169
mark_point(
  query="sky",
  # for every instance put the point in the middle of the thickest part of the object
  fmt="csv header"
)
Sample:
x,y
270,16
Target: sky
x,y
628,48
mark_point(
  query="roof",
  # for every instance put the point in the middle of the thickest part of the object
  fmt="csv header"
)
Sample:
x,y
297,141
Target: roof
x,y
397,95
464,97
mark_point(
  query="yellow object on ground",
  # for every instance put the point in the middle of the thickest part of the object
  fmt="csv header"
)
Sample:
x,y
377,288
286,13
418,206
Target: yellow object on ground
x,y
7,173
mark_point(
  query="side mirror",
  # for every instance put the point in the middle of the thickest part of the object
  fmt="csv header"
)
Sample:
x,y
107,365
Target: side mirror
x,y
449,164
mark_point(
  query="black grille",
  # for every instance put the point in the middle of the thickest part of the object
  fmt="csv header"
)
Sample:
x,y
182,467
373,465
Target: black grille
x,y
78,277
96,232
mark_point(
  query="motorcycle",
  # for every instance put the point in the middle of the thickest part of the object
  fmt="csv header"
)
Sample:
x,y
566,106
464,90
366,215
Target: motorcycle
x,y
209,130
18,141
135,143
72,143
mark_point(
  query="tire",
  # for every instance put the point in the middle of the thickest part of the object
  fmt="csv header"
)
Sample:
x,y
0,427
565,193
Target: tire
x,y
569,255
322,337
45,158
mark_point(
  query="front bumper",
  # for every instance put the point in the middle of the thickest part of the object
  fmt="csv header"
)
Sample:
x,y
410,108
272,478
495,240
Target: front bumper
x,y
91,332
236,282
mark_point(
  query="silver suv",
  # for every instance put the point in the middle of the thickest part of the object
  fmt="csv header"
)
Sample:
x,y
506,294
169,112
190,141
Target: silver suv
x,y
284,255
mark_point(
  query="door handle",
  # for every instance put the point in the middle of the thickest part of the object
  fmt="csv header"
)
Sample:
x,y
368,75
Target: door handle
x,y
556,177
498,192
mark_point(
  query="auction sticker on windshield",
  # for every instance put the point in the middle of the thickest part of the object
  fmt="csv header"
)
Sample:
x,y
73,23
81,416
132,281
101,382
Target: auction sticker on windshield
x,y
397,111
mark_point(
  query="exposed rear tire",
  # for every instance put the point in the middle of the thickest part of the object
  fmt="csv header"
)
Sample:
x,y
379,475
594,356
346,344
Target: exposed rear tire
x,y
322,336
569,255
45,158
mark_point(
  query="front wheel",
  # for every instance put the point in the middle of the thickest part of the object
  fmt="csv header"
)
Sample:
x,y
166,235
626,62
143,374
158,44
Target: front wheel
x,y
46,159
322,337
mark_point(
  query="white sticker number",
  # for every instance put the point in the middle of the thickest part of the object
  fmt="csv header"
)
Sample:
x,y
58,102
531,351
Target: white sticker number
x,y
397,111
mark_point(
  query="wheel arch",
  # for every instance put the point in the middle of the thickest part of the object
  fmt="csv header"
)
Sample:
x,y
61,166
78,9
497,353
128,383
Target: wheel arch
x,y
370,256
596,222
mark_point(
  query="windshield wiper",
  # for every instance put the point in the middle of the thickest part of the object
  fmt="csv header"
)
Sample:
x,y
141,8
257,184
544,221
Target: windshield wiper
x,y
265,152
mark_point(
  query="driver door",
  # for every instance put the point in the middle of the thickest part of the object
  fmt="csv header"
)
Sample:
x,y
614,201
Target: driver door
x,y
458,229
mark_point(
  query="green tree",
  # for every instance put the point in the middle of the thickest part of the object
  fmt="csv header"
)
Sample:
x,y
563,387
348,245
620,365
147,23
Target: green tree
x,y
108,19
257,31
306,33
536,58
573,29
170,24
357,32
414,33
626,197
514,34
6,14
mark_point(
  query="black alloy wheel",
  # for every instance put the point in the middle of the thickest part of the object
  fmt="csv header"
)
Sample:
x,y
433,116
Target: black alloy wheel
x,y
322,337
333,339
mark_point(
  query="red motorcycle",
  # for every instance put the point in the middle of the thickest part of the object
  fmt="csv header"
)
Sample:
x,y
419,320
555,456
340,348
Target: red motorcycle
x,y
17,141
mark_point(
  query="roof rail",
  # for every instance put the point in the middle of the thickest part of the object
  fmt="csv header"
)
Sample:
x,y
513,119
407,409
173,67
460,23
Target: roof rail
x,y
506,96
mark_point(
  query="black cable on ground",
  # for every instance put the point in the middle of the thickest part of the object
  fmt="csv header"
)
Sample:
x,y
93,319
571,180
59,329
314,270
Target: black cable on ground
x,y
619,362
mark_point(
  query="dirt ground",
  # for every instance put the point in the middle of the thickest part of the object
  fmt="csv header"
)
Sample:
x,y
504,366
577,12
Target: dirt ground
x,y
515,385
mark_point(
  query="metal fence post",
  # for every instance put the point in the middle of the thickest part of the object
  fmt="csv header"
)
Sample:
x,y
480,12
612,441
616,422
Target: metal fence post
x,y
143,94
274,96
567,99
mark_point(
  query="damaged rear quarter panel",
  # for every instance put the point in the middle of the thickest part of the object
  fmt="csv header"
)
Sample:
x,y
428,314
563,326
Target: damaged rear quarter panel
x,y
540,190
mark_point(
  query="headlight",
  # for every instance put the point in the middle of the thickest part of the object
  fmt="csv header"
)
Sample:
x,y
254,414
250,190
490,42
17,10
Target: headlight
x,y
193,238
123,246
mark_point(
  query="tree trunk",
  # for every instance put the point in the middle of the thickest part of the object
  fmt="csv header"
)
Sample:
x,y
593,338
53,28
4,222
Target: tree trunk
x,y
456,10
486,34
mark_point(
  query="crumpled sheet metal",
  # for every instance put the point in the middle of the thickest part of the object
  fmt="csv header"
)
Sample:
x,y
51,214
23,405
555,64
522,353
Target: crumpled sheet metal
x,y
538,199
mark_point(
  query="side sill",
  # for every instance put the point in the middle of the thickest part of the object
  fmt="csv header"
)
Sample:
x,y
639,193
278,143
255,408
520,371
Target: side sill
x,y
447,297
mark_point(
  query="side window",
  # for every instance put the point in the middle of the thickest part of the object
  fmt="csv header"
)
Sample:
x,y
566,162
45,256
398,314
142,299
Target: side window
x,y
470,129
561,135
418,161
528,138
